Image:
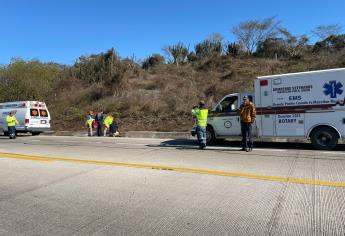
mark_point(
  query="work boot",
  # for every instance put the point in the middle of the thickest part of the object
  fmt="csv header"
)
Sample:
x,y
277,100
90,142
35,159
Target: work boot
x,y
247,149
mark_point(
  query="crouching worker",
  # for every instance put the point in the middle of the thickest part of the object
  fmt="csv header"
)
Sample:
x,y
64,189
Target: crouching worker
x,y
11,121
107,123
201,114
114,129
90,122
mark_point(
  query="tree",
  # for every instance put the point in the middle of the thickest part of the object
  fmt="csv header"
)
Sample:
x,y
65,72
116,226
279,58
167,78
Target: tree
x,y
272,47
233,49
251,32
294,45
324,31
211,46
178,53
105,69
286,45
192,57
330,44
152,61
27,80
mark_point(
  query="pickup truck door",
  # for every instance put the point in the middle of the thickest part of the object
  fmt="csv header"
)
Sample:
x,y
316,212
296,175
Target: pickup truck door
x,y
225,118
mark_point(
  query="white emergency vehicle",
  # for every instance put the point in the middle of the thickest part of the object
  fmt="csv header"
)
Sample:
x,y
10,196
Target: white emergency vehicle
x,y
298,105
33,116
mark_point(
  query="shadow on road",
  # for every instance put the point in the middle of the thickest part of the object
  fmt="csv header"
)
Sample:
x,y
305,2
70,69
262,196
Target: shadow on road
x,y
192,144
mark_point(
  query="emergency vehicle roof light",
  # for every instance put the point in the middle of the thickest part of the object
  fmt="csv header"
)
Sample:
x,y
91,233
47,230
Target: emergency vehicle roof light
x,y
264,82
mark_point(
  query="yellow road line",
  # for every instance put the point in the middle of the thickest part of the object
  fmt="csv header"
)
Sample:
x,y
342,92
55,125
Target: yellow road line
x,y
25,157
180,169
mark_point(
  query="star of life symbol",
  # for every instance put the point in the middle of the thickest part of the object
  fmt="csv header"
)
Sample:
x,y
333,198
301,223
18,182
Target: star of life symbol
x,y
333,88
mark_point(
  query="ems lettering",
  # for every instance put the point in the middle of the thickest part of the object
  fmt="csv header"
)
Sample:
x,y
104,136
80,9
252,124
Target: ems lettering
x,y
293,98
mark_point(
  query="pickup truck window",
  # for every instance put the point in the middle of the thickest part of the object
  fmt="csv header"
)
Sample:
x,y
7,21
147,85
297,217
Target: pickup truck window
x,y
228,104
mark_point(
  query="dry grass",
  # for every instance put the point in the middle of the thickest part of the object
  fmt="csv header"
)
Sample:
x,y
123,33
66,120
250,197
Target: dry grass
x,y
161,98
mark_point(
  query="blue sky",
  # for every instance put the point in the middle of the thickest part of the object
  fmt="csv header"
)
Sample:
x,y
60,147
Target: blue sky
x,y
62,30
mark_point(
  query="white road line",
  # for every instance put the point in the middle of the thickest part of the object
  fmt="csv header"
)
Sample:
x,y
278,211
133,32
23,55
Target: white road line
x,y
334,153
271,150
133,144
35,140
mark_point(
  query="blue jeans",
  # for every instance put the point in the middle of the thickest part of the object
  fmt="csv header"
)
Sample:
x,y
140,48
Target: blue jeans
x,y
247,136
201,133
12,130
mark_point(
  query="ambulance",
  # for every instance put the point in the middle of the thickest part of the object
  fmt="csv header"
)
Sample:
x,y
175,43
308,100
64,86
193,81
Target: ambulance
x,y
33,116
306,105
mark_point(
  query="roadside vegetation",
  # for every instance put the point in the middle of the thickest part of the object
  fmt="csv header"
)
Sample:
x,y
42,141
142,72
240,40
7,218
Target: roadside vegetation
x,y
157,93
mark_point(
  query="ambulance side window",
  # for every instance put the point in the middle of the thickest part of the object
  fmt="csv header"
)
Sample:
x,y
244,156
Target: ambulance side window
x,y
229,104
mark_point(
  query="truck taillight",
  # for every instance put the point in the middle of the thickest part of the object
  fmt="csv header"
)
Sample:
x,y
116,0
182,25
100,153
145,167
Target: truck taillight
x,y
27,121
264,82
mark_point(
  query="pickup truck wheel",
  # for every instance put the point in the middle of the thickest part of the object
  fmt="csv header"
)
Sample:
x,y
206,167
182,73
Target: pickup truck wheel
x,y
324,138
210,136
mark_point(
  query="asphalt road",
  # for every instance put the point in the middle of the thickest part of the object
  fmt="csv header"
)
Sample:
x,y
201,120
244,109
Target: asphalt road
x,y
119,186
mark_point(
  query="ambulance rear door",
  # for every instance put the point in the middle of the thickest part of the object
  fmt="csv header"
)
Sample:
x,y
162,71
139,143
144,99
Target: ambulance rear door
x,y
265,111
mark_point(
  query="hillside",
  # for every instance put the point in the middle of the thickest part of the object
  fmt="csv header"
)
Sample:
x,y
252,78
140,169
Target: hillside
x,y
153,96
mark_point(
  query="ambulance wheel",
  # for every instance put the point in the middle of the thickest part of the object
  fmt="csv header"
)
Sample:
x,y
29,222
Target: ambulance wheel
x,y
35,133
324,138
210,136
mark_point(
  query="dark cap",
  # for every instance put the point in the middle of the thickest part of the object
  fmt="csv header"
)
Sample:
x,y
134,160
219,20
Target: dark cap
x,y
201,103
245,98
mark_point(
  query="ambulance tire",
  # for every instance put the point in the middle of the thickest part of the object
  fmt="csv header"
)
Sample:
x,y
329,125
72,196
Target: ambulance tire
x,y
210,136
324,138
35,133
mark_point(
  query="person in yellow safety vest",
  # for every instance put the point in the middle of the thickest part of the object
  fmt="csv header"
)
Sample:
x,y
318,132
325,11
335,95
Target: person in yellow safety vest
x,y
107,122
11,121
201,114
89,122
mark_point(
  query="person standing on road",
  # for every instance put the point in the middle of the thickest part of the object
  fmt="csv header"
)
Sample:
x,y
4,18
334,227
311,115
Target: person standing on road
x,y
11,121
248,115
99,120
90,122
201,114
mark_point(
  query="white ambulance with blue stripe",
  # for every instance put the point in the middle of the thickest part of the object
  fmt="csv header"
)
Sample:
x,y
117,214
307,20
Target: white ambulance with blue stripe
x,y
306,105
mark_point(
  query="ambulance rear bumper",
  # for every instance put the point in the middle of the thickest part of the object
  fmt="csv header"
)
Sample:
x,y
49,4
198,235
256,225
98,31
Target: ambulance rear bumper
x,y
33,129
